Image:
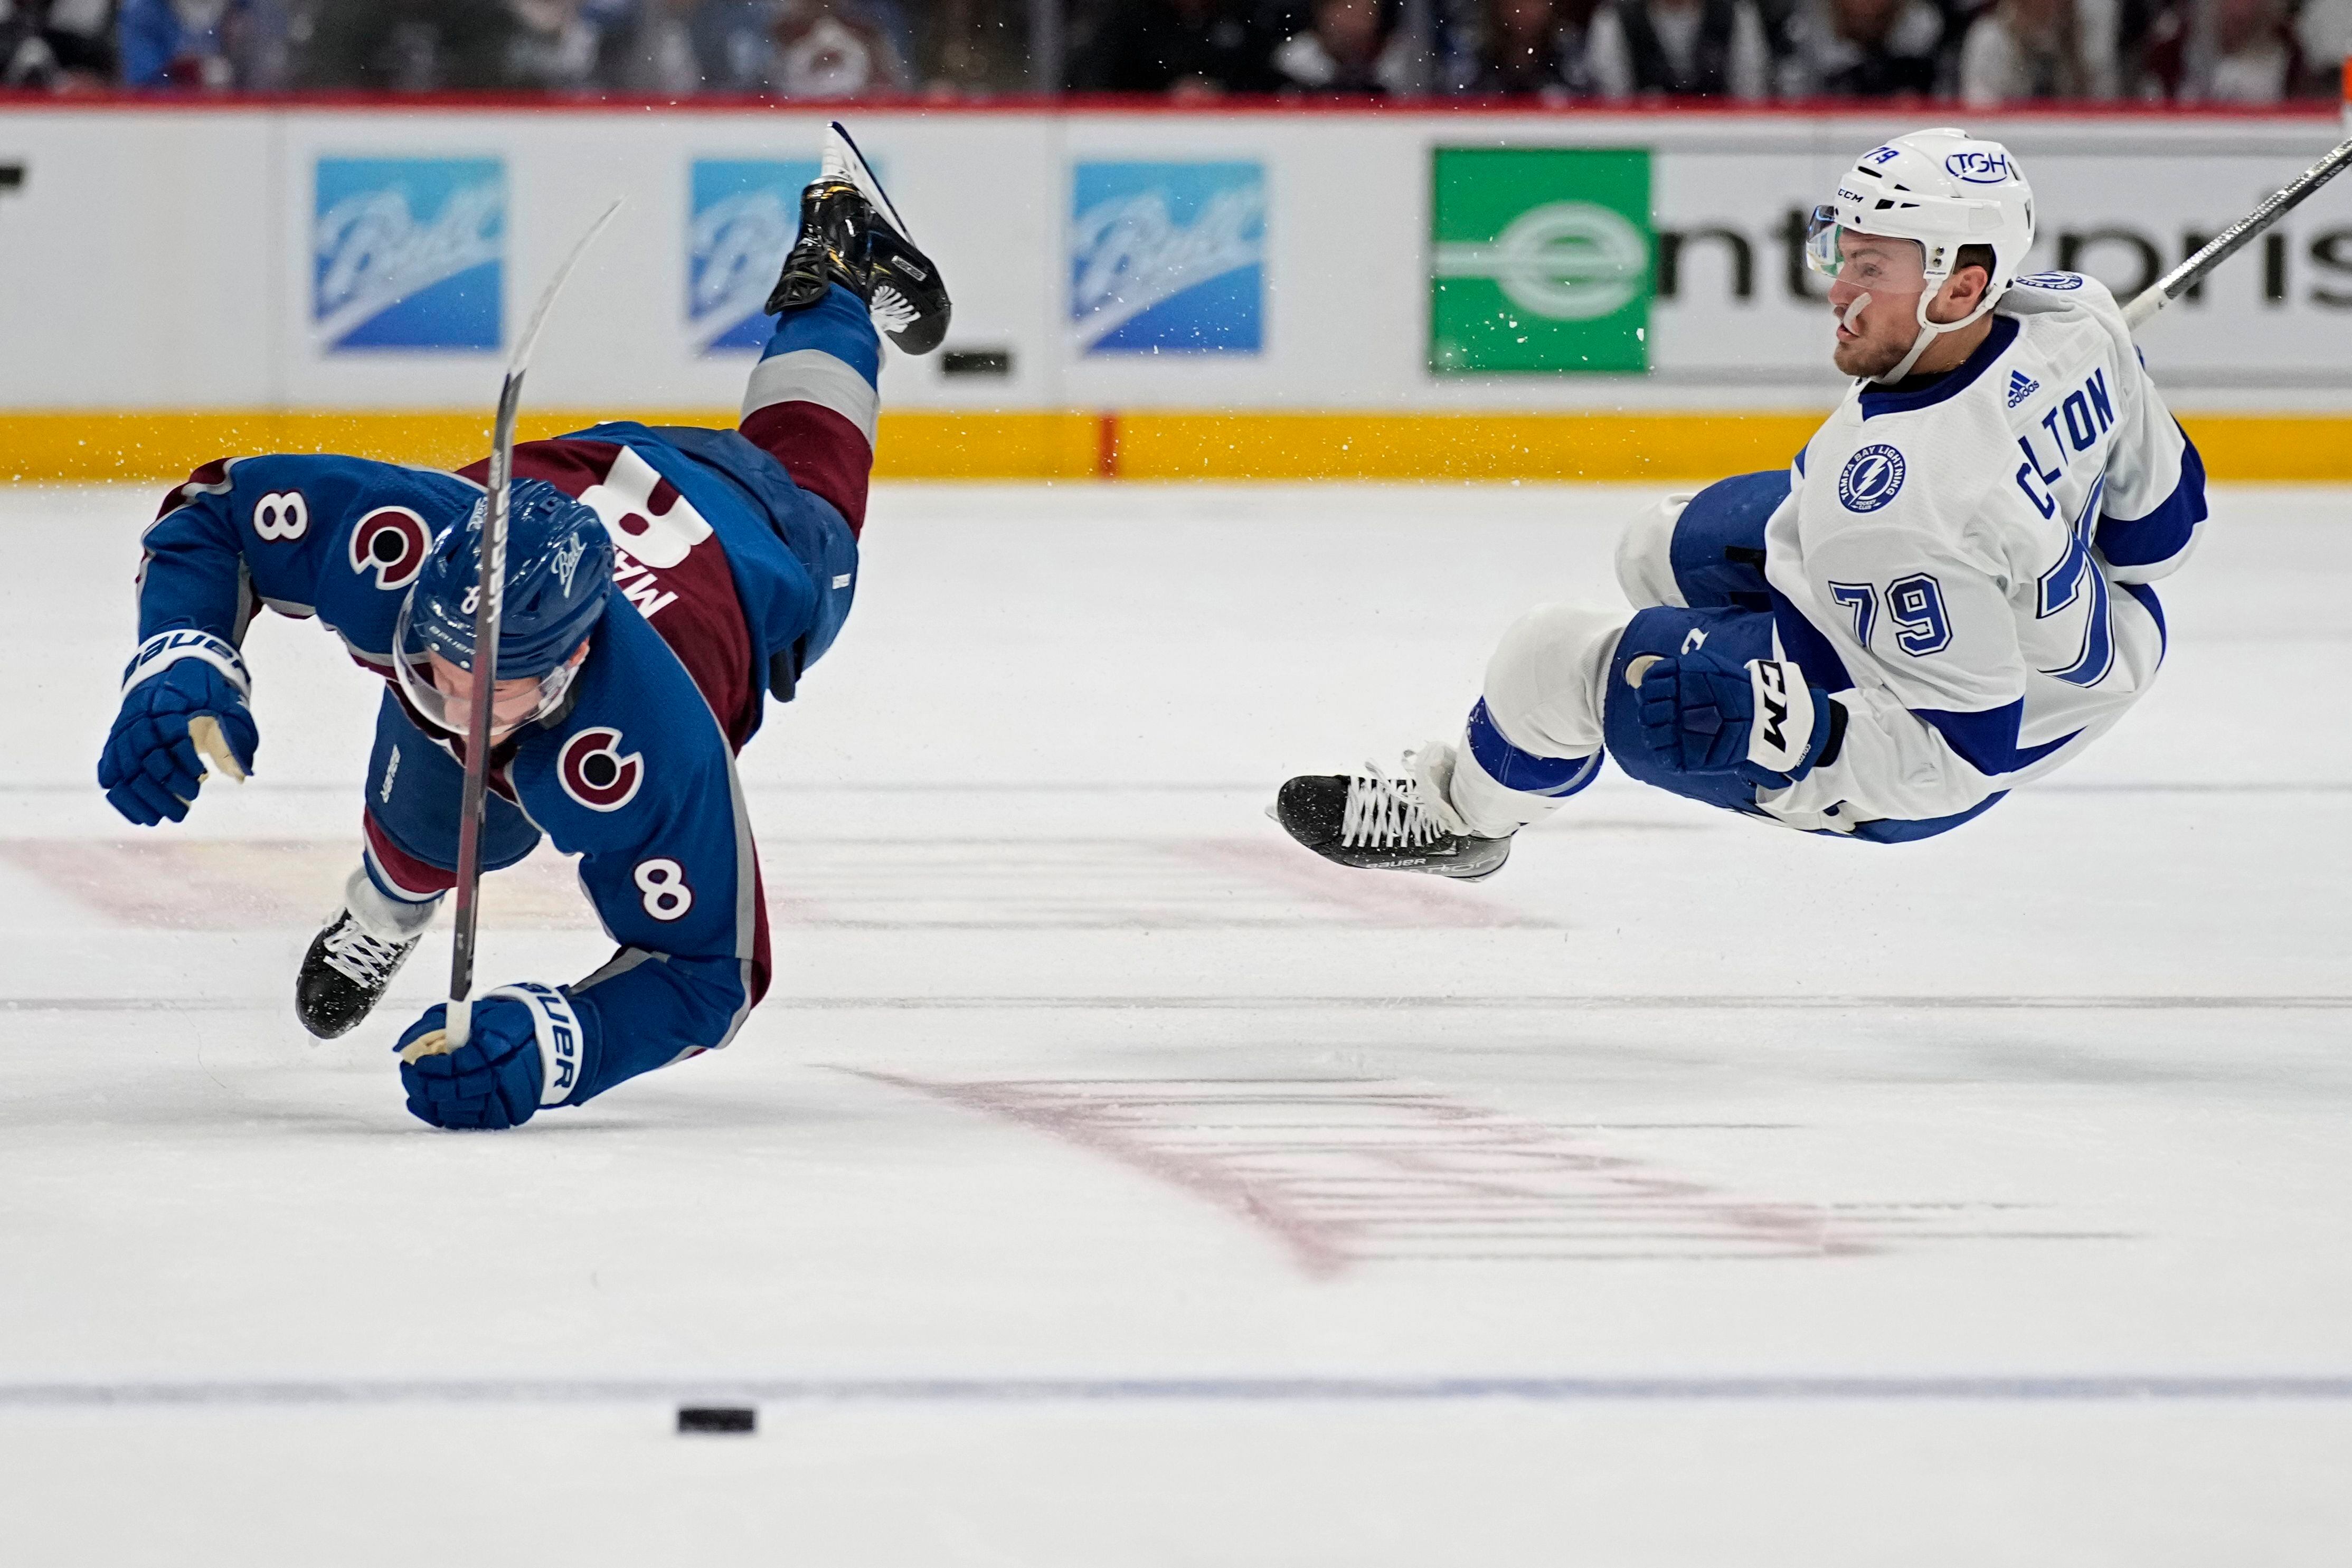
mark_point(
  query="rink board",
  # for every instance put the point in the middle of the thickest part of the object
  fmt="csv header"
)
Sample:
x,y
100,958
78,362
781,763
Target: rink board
x,y
1664,446
1208,282
1105,1181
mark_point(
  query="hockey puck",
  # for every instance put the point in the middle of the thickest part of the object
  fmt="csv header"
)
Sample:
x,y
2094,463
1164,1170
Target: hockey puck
x,y
717,1418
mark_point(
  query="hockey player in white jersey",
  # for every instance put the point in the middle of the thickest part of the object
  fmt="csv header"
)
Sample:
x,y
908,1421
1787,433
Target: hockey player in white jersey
x,y
1946,596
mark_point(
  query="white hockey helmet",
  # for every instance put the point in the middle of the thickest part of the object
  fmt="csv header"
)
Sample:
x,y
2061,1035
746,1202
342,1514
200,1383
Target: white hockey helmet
x,y
1944,189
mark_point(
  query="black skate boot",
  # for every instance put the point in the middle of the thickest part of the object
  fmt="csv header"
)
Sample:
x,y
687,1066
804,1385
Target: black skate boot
x,y
344,976
851,235
1378,822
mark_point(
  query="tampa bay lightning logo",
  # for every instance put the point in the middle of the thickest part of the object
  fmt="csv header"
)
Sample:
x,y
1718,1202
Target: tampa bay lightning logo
x,y
595,771
1871,478
2059,280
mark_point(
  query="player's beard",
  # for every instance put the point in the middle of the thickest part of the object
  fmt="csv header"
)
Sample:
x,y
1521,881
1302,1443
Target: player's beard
x,y
1869,357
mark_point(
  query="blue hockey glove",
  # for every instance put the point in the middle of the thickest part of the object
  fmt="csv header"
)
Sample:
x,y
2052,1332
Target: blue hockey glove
x,y
525,1049
492,1081
1701,713
150,767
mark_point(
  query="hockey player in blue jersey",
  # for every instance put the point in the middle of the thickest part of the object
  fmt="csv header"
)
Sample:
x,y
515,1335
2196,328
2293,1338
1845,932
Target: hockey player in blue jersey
x,y
661,583
1945,596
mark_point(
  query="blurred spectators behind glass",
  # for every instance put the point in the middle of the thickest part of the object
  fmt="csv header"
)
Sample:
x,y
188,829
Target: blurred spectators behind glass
x,y
219,44
978,46
1349,46
2228,51
838,48
555,43
1695,48
2323,30
59,44
1187,47
1519,48
1537,48
733,40
1862,49
2024,49
408,45
1985,52
659,53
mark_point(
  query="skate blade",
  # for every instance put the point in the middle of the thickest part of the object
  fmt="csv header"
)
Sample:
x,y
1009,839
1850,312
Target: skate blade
x,y
841,160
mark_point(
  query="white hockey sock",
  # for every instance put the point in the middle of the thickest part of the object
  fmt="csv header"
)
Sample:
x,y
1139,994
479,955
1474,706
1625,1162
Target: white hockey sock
x,y
1488,809
381,915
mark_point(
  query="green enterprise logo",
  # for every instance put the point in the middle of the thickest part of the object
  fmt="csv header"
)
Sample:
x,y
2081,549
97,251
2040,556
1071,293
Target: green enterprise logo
x,y
1539,260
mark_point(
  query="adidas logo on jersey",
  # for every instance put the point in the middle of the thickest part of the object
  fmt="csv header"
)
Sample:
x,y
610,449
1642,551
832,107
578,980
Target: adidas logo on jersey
x,y
2020,387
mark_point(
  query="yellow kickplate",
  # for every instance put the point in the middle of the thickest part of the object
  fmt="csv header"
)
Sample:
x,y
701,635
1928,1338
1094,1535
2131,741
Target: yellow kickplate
x,y
55,446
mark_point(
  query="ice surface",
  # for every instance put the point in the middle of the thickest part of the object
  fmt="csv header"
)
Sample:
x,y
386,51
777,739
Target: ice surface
x,y
1106,1181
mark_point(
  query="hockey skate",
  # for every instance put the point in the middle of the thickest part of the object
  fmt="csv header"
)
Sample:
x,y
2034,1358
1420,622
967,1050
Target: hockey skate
x,y
1383,822
344,976
851,235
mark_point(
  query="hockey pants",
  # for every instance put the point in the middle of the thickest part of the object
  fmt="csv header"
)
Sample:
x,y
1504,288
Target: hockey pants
x,y
1555,695
810,404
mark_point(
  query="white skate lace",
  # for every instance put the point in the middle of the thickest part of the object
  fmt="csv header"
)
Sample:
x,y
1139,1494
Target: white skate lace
x,y
360,958
1385,812
891,310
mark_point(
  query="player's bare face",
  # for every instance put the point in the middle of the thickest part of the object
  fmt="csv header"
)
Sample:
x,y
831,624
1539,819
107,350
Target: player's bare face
x,y
1872,339
513,702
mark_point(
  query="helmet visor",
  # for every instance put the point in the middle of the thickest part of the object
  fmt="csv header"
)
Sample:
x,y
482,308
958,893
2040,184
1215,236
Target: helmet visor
x,y
448,708
1877,262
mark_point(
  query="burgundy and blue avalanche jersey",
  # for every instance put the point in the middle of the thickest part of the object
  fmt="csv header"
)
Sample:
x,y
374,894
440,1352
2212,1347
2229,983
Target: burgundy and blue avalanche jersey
x,y
735,565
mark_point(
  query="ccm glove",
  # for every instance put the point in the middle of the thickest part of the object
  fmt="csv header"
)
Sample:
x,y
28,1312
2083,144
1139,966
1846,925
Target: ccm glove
x,y
185,691
524,1049
1701,713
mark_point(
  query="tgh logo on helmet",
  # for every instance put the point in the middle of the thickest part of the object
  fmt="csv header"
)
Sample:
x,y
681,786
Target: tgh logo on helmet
x,y
1979,166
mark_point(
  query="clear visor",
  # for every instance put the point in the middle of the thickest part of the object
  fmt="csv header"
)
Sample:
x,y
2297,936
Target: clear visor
x,y
1876,262
516,703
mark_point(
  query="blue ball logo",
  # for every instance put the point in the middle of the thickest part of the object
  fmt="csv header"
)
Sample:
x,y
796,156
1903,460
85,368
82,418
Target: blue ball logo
x,y
1871,478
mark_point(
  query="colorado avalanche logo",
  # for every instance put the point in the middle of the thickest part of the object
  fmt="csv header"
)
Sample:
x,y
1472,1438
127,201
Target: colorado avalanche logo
x,y
596,774
390,541
2059,280
1871,478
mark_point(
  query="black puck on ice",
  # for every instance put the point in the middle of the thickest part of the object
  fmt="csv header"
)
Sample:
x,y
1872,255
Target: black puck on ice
x,y
717,1418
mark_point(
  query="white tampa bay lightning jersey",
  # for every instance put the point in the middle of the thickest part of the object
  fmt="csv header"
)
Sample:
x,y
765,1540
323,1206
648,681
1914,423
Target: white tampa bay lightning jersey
x,y
1968,562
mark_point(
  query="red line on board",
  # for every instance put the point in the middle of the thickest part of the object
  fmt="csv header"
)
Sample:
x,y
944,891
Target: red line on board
x,y
1107,447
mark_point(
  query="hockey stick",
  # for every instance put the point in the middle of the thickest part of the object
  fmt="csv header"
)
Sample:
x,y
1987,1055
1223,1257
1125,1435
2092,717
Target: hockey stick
x,y
490,602
2234,238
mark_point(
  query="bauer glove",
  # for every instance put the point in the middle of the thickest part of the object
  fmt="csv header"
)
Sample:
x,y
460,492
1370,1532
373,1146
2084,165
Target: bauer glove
x,y
524,1049
1701,713
184,704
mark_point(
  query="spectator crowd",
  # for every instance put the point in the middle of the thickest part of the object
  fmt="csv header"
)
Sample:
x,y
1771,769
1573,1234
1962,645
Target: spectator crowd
x,y
1981,52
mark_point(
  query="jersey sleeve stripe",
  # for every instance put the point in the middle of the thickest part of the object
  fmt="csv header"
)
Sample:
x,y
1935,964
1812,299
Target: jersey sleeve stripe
x,y
1803,642
751,912
2164,533
1987,740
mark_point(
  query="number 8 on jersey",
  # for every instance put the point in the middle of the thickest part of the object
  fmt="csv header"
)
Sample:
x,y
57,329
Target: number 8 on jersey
x,y
661,881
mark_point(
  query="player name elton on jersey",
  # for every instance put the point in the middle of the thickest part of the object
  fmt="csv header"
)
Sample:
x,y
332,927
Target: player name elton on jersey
x,y
2074,428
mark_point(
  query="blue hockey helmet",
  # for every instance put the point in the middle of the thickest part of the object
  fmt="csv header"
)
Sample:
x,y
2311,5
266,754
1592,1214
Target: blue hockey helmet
x,y
558,570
